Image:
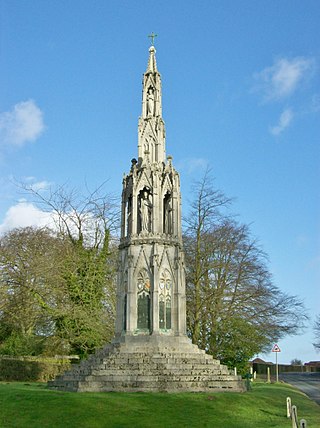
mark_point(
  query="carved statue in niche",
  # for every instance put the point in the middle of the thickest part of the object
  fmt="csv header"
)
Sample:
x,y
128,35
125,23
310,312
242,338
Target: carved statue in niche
x,y
150,101
167,214
146,146
145,209
129,216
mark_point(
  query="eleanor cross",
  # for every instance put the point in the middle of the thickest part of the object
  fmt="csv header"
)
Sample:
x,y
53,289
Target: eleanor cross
x,y
152,36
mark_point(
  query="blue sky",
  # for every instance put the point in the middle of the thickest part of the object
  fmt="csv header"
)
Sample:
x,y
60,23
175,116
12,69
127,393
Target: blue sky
x,y
241,94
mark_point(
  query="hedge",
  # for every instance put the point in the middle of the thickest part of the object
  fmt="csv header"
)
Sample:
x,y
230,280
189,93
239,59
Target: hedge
x,y
31,369
260,368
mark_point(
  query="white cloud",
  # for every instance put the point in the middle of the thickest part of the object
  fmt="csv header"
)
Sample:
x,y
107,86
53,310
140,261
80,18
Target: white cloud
x,y
282,79
40,185
302,240
24,123
25,214
31,183
191,165
314,263
315,103
284,121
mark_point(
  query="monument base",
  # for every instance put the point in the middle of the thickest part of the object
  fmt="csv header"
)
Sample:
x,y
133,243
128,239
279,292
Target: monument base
x,y
149,364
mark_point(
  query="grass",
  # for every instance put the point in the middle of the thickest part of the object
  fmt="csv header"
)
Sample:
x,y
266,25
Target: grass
x,y
32,405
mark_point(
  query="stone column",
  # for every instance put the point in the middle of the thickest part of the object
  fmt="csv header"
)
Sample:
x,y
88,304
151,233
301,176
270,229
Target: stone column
x,y
131,298
119,307
155,292
180,298
155,202
134,213
123,215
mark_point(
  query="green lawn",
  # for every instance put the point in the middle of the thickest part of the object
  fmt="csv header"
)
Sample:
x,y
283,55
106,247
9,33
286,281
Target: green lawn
x,y
32,405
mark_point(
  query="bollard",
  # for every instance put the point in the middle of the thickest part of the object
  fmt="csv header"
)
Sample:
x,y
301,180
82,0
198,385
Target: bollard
x,y
268,374
235,371
303,423
248,380
251,374
288,407
294,417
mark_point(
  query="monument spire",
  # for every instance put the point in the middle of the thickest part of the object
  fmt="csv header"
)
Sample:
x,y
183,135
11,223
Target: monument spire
x,y
151,129
151,350
152,64
151,278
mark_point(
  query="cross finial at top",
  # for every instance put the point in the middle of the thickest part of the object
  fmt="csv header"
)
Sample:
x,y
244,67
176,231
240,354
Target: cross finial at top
x,y
152,36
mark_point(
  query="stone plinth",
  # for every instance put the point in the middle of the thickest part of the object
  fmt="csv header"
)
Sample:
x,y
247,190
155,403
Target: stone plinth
x,y
149,364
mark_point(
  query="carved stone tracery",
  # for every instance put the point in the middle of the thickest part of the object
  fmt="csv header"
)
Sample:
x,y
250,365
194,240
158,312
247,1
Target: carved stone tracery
x,y
151,227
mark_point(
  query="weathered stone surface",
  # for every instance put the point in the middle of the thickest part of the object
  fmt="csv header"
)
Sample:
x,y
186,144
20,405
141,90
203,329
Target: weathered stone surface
x,y
150,367
151,351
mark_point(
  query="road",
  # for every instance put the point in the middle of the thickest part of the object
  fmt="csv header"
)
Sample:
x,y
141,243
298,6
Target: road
x,y
309,383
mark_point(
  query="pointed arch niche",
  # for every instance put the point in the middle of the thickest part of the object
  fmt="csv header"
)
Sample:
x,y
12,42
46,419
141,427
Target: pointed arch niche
x,y
143,301
128,216
165,297
167,213
144,210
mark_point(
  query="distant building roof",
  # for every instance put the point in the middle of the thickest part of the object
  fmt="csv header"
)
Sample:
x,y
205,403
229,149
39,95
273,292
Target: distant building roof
x,y
313,363
260,361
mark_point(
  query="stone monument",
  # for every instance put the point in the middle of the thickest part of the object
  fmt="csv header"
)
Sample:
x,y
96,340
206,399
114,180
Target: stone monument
x,y
150,350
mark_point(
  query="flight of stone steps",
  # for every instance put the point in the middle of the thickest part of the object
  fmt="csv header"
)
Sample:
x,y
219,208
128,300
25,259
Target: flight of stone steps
x,y
148,367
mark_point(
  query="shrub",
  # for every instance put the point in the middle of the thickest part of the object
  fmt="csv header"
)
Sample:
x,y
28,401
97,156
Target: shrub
x,y
32,370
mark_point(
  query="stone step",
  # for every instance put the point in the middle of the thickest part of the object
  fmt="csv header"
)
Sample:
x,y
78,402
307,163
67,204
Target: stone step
x,y
150,369
150,385
173,386
130,358
156,377
133,368
151,376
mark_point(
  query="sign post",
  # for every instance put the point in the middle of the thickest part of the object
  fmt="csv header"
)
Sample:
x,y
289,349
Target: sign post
x,y
276,349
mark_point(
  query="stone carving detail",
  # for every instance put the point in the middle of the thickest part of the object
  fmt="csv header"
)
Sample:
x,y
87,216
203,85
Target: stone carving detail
x,y
165,290
150,101
143,300
146,146
130,260
167,214
145,211
129,216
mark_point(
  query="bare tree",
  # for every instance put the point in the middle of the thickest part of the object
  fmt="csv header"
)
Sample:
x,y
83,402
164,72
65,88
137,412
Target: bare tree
x,y
296,362
206,209
317,333
89,219
234,309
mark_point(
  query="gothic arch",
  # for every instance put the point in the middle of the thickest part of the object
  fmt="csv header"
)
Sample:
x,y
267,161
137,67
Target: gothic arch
x,y
165,300
167,210
143,300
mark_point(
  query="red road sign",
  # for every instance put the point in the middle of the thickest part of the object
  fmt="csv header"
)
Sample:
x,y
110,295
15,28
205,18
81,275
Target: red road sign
x,y
276,348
